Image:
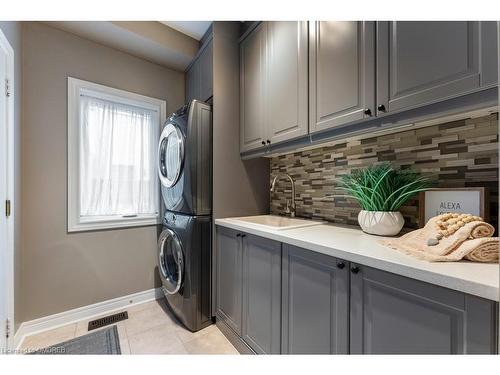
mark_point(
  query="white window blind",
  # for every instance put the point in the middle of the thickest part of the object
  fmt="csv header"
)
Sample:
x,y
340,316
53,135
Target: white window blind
x,y
114,180
117,159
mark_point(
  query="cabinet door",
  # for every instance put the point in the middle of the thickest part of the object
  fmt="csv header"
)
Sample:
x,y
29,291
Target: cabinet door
x,y
206,72
286,96
489,53
391,314
193,82
342,73
229,277
315,303
424,62
262,294
252,89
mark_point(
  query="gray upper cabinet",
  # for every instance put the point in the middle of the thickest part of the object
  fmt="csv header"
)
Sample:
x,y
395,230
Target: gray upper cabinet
x,y
261,294
192,82
199,76
273,84
286,96
315,303
489,53
391,314
341,73
300,78
253,132
206,71
420,63
229,278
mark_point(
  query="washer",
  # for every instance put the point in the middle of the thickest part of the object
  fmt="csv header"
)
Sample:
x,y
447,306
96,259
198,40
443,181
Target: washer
x,y
185,160
184,249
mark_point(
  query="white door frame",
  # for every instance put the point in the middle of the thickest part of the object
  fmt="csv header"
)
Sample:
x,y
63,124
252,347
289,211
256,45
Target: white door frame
x,y
7,48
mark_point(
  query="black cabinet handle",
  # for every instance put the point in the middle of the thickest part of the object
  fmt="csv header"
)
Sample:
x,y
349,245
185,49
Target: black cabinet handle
x,y
268,142
263,142
354,269
243,235
381,108
340,265
368,112
238,235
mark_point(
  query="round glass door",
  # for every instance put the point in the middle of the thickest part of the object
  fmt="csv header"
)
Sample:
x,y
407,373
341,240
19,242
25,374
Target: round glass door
x,y
171,261
170,155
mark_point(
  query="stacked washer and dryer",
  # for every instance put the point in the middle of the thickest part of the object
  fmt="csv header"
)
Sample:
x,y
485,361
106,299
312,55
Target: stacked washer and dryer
x,y
184,245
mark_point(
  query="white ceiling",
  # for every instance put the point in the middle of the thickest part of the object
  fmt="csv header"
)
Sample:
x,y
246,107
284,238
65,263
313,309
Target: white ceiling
x,y
195,29
152,41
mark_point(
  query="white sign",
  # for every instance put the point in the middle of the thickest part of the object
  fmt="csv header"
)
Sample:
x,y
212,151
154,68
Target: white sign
x,y
438,202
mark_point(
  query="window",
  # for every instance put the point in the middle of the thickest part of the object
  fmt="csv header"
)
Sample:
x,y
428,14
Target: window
x,y
112,144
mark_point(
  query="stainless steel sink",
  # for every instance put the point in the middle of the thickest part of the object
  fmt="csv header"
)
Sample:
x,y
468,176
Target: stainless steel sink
x,y
275,222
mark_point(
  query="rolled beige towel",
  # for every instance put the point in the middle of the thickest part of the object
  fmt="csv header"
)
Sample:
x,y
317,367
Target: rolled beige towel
x,y
481,229
484,249
473,241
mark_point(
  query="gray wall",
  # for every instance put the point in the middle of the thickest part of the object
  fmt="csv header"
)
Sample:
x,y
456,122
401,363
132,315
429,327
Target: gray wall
x,y
61,271
240,187
12,31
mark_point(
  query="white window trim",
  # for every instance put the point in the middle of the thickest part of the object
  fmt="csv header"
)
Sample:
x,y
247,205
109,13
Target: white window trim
x,y
75,88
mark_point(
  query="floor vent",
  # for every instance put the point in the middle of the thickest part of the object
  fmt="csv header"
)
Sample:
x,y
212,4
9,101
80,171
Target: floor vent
x,y
107,320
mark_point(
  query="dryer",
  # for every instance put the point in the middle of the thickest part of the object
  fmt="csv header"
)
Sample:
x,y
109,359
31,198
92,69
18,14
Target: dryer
x,y
184,255
184,246
185,160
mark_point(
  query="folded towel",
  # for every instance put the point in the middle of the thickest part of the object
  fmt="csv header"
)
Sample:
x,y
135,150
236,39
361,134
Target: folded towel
x,y
473,241
484,250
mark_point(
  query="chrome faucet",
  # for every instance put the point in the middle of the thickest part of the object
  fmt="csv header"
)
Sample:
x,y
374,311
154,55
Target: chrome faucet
x,y
290,203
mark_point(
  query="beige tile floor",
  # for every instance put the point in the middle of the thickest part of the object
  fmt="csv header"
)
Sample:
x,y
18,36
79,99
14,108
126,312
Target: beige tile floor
x,y
150,329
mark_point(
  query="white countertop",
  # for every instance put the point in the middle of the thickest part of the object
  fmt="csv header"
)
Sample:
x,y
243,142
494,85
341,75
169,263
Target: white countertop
x,y
351,244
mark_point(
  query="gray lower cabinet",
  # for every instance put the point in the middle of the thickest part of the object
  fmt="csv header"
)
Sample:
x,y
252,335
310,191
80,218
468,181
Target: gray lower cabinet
x,y
341,73
315,303
420,63
277,298
249,288
391,314
261,328
229,278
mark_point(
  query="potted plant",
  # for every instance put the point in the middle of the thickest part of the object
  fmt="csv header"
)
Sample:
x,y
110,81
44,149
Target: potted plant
x,y
381,190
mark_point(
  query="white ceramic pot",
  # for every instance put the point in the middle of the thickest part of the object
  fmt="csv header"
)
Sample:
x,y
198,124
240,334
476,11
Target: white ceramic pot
x,y
382,223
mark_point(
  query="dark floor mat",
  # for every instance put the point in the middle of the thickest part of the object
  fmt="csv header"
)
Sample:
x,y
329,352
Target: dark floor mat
x,y
105,341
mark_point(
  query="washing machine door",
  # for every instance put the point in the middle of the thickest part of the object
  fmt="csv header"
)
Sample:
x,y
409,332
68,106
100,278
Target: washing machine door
x,y
170,155
170,261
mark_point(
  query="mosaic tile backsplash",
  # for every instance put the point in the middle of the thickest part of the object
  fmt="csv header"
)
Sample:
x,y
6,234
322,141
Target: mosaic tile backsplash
x,y
461,153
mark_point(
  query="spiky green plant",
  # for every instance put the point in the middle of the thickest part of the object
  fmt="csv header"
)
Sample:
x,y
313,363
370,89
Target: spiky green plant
x,y
381,187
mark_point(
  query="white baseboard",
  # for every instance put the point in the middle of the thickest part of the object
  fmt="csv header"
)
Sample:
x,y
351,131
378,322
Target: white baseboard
x,y
86,312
